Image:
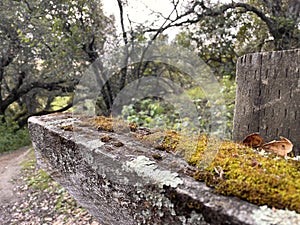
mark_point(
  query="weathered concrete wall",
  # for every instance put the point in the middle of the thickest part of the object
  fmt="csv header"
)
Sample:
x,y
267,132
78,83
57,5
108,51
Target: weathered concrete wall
x,y
124,184
268,96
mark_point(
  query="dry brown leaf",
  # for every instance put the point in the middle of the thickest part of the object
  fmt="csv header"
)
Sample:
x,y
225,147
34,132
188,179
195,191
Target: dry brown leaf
x,y
253,140
282,147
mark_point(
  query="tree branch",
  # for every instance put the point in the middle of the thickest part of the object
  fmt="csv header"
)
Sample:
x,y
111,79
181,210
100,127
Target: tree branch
x,y
125,39
23,121
182,19
269,21
24,89
120,4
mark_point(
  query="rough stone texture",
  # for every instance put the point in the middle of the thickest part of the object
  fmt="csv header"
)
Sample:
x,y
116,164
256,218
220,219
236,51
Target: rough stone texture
x,y
268,96
125,185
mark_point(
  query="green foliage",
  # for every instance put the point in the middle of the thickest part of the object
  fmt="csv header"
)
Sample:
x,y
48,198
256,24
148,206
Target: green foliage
x,y
11,137
151,113
60,101
252,26
253,34
46,47
229,93
213,39
196,93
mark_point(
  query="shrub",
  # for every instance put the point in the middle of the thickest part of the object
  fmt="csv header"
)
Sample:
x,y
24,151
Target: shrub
x,y
12,137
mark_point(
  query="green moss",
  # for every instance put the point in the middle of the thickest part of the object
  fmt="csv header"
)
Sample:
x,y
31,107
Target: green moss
x,y
259,179
157,156
109,124
194,155
235,170
169,142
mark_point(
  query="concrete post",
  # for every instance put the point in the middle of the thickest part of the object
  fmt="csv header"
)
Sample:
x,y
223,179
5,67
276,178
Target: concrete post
x,y
268,96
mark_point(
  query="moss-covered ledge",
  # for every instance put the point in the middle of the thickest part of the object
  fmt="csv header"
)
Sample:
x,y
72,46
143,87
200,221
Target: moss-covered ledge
x,y
122,181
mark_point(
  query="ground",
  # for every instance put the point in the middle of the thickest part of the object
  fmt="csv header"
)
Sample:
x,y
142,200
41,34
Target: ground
x,y
30,196
10,167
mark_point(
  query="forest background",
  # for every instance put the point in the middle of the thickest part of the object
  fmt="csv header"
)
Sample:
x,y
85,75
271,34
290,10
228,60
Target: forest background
x,y
47,46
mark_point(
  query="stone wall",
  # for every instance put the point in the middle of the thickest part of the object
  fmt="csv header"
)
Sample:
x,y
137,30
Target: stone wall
x,y
268,96
124,184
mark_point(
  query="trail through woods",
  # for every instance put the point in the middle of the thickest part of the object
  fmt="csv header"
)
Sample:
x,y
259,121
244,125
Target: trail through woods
x,y
10,167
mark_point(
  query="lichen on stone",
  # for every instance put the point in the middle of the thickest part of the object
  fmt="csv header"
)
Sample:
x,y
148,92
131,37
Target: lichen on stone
x,y
61,123
267,216
148,169
194,219
157,205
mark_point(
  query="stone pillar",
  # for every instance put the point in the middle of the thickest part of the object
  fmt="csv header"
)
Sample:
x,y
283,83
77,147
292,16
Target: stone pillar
x,y
268,96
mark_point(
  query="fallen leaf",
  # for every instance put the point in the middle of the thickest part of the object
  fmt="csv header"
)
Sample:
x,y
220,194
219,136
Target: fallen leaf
x,y
282,147
253,140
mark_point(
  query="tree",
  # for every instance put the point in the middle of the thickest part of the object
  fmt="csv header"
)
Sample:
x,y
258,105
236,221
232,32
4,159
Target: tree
x,y
214,41
274,26
221,32
46,48
281,18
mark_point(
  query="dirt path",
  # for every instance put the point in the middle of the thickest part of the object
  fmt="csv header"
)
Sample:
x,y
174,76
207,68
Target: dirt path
x,y
9,168
21,204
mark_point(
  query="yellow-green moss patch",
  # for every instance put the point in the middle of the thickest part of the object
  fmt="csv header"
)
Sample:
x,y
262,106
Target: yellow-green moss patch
x,y
258,177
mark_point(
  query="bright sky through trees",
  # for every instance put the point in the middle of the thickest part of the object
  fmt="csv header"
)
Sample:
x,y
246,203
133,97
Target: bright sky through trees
x,y
140,11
